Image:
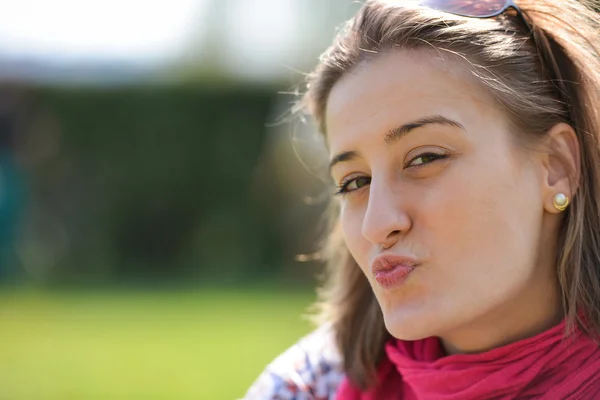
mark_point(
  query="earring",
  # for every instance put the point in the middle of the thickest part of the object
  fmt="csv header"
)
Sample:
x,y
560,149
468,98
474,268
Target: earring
x,y
560,201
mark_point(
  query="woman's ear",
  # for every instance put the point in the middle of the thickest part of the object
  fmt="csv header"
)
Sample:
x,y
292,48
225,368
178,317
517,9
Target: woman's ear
x,y
562,163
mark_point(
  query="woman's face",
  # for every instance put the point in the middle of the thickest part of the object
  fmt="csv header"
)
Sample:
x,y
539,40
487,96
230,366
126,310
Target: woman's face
x,y
441,212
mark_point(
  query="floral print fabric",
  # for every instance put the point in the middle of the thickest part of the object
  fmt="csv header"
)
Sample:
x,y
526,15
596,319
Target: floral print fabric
x,y
309,370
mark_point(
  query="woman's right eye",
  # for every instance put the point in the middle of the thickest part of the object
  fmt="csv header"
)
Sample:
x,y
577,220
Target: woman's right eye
x,y
353,184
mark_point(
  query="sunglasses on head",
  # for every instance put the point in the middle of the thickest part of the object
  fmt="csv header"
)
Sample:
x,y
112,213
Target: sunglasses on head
x,y
475,8
490,9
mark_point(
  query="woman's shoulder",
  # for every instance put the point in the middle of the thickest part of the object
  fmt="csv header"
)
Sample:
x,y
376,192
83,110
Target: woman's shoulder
x,y
309,370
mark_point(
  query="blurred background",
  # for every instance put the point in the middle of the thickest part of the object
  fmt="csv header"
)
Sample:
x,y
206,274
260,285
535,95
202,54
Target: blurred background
x,y
160,207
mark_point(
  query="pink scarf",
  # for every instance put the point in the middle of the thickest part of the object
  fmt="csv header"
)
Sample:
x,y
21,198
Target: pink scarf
x,y
545,366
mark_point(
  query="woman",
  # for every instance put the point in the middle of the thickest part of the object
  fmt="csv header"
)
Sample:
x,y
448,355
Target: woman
x,y
464,141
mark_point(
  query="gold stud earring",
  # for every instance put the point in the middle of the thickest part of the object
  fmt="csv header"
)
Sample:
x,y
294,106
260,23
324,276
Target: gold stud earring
x,y
560,201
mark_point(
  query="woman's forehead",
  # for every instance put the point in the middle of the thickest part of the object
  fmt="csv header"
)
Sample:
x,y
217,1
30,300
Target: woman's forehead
x,y
401,86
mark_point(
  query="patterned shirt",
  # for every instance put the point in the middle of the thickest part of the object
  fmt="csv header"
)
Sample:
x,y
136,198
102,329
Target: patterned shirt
x,y
309,370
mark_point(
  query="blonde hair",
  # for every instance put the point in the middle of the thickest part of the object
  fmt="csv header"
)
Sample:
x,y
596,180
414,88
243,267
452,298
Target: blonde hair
x,y
540,78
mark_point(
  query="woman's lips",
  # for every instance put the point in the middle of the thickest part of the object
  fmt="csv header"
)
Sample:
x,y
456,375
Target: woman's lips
x,y
391,271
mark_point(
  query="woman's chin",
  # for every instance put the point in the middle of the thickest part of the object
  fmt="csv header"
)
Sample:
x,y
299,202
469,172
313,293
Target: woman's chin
x,y
406,325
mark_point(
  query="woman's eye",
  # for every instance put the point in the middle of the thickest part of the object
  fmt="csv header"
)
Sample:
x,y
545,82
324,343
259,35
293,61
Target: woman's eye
x,y
424,159
353,184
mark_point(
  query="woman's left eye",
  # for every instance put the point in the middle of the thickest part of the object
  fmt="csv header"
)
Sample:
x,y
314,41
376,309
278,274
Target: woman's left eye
x,y
425,159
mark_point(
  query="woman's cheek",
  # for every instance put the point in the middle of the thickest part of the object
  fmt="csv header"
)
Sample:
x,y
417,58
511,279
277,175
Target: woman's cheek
x,y
351,217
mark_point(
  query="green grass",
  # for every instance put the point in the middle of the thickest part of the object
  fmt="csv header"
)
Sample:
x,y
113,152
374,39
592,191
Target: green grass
x,y
143,345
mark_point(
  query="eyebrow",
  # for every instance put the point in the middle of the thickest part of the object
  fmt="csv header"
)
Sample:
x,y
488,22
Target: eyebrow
x,y
398,133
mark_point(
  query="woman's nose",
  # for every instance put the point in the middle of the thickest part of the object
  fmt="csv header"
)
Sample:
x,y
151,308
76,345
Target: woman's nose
x,y
385,218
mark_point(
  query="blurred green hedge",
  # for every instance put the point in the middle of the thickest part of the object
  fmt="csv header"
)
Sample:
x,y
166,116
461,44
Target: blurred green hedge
x,y
150,183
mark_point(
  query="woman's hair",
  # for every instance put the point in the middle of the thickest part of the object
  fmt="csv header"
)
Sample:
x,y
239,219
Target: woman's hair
x,y
541,77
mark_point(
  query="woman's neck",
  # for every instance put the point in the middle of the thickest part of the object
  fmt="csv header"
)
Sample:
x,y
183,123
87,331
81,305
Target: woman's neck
x,y
536,311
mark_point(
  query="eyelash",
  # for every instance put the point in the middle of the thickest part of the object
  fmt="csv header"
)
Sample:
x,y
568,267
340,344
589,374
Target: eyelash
x,y
342,188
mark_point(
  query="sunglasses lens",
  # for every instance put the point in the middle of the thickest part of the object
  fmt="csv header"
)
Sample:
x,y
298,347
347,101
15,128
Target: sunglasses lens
x,y
468,8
